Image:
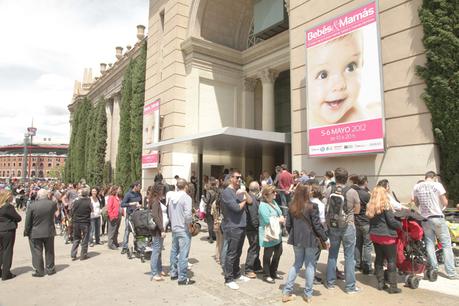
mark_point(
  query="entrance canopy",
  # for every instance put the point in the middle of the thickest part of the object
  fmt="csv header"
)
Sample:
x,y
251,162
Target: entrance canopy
x,y
225,139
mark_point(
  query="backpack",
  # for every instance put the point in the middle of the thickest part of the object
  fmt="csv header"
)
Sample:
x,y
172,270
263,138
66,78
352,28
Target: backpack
x,y
335,213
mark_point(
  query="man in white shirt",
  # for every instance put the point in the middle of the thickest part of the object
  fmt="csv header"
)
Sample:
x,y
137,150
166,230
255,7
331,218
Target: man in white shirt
x,y
430,197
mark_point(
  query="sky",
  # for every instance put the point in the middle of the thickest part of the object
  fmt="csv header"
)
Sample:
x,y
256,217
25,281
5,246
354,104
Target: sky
x,y
45,46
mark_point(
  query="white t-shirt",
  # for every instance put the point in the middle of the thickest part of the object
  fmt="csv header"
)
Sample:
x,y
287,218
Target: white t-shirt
x,y
321,206
428,194
96,209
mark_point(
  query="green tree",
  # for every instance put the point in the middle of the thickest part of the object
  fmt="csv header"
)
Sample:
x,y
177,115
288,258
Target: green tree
x,y
100,144
137,103
79,157
123,159
440,20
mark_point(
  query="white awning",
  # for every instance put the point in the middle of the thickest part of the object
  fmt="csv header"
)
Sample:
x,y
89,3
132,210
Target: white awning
x,y
224,139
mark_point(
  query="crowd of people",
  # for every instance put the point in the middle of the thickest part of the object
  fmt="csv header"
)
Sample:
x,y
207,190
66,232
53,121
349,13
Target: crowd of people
x,y
339,209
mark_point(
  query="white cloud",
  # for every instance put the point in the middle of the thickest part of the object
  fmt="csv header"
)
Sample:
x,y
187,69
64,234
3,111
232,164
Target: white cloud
x,y
46,44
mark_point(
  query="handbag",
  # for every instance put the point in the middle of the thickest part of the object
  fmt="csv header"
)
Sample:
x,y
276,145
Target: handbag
x,y
272,229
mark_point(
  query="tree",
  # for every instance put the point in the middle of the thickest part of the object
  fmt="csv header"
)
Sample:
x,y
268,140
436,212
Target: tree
x,y
440,20
79,157
123,159
100,144
137,103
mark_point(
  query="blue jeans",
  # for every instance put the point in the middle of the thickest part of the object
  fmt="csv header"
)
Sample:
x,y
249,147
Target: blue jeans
x,y
95,230
363,247
436,228
156,264
181,242
306,256
127,230
347,236
223,254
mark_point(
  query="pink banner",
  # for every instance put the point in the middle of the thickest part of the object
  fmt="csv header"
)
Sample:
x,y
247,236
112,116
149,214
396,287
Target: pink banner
x,y
151,107
354,131
341,25
150,160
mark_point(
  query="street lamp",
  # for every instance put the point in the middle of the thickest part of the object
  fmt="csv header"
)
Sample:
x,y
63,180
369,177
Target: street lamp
x,y
24,163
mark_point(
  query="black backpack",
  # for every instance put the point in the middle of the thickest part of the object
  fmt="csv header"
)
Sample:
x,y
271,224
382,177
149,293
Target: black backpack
x,y
336,210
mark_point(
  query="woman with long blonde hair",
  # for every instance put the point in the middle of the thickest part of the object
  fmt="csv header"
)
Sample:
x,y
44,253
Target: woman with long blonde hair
x,y
9,219
383,233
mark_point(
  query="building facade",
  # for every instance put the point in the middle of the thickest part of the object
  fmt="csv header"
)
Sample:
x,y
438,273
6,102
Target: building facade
x,y
232,96
107,86
44,161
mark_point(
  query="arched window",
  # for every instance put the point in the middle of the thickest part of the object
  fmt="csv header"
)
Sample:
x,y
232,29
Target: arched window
x,y
32,174
19,172
40,173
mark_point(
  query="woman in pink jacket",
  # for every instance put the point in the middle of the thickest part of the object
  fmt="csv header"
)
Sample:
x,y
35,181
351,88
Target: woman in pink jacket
x,y
114,216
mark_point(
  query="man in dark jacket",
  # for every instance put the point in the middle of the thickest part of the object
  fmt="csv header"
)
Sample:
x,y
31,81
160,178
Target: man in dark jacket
x,y
81,217
252,262
39,227
131,201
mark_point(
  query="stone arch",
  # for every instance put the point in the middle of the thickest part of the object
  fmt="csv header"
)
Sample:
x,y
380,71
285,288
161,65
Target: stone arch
x,y
220,21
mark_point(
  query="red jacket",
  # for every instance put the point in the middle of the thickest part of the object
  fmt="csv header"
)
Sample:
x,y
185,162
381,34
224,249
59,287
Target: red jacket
x,y
113,207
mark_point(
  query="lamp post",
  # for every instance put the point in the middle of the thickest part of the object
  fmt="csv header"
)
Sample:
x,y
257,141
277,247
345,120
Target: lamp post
x,y
24,163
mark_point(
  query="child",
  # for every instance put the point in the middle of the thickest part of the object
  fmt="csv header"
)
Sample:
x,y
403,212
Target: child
x,y
334,76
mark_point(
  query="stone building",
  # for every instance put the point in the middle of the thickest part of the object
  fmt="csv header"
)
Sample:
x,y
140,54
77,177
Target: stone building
x,y
108,86
232,96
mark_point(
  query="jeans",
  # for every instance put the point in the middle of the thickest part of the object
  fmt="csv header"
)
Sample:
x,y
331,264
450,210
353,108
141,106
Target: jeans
x,y
156,264
127,230
95,230
113,226
235,238
252,261
363,246
181,242
436,228
306,256
284,202
347,236
80,233
271,257
223,253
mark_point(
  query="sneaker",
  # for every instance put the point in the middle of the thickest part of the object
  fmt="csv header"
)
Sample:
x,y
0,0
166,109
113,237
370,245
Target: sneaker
x,y
163,273
307,299
242,279
186,282
91,244
288,297
190,265
353,291
174,277
453,277
269,280
232,285
277,276
339,275
158,278
330,287
124,251
251,275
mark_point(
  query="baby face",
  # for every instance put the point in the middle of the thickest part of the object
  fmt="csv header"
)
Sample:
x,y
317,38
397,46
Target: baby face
x,y
334,78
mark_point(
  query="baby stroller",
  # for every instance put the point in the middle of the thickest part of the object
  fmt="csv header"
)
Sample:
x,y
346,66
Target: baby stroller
x,y
452,221
411,250
140,224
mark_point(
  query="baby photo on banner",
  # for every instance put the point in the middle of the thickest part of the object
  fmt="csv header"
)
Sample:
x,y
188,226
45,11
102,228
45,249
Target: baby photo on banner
x,y
344,86
150,134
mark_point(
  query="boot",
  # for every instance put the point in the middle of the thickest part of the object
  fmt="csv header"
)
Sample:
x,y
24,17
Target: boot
x,y
393,283
379,271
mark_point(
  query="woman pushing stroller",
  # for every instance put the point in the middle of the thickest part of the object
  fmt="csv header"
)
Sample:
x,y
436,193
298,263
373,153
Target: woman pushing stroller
x,y
383,233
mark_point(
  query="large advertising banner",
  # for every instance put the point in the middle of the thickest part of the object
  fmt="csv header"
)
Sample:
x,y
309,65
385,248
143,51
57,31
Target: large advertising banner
x,y
150,158
344,86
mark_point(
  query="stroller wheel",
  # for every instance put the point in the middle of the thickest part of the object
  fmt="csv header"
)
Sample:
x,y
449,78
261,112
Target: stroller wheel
x,y
432,275
413,282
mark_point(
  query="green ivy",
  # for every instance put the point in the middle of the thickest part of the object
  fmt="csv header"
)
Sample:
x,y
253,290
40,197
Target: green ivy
x,y
440,20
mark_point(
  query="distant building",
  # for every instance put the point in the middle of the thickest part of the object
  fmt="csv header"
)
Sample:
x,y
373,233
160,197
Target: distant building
x,y
44,160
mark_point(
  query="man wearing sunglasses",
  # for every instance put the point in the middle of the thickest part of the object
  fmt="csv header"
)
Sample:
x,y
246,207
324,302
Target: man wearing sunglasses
x,y
234,222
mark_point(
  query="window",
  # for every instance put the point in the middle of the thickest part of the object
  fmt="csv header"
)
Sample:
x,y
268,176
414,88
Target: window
x,y
32,174
14,164
49,164
19,164
57,165
19,172
41,164
34,165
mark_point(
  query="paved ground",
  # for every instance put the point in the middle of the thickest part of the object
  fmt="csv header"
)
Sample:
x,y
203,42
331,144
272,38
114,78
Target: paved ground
x,y
108,278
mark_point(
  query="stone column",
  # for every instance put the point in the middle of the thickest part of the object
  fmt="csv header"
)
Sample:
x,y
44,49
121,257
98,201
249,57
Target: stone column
x,y
268,77
115,129
248,101
108,111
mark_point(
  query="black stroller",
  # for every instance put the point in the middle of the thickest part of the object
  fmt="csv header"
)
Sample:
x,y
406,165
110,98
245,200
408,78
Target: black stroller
x,y
140,224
